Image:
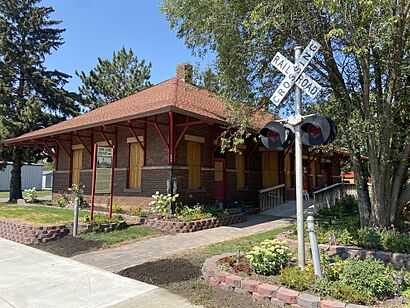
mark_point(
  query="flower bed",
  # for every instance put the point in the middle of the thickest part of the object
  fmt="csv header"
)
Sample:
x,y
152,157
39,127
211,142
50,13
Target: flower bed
x,y
29,234
277,295
396,259
192,226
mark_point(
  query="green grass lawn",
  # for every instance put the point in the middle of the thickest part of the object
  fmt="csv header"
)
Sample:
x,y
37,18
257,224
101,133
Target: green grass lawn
x,y
41,193
38,214
117,236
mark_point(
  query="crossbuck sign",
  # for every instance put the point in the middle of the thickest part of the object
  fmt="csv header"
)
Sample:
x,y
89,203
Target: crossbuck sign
x,y
294,74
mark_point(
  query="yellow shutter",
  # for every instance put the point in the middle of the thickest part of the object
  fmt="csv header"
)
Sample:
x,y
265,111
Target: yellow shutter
x,y
269,169
240,170
77,165
136,163
219,171
313,172
194,164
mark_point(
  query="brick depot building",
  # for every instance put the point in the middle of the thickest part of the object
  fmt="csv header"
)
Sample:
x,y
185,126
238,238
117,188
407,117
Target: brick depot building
x,y
172,128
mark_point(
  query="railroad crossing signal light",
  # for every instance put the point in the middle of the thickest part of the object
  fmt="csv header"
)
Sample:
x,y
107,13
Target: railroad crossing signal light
x,y
276,135
317,130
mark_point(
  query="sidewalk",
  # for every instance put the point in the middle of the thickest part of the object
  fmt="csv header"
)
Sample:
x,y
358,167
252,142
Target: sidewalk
x,y
126,256
33,278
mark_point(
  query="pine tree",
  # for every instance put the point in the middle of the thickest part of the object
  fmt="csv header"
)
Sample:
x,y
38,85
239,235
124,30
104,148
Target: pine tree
x,y
31,96
112,80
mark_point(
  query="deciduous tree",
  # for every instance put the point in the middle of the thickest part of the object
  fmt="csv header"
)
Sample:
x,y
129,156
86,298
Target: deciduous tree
x,y
363,65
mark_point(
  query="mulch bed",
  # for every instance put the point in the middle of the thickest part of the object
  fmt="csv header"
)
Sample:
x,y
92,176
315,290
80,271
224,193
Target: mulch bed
x,y
69,246
182,277
163,272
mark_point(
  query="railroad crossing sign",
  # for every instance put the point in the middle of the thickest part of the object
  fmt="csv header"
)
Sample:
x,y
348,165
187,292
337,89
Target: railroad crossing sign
x,y
294,73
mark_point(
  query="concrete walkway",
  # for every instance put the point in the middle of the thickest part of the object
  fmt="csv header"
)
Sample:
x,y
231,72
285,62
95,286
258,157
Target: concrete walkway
x,y
123,257
33,278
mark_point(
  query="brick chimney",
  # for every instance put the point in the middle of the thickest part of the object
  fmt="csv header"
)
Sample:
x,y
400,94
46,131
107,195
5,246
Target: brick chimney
x,y
184,72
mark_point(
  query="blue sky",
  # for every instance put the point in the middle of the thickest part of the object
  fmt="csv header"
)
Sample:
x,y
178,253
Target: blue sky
x,y
96,28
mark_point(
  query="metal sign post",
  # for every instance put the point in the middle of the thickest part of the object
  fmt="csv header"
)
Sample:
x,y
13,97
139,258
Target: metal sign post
x,y
299,171
294,75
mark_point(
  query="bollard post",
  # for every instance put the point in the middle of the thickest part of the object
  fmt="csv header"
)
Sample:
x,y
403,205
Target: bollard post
x,y
75,224
313,245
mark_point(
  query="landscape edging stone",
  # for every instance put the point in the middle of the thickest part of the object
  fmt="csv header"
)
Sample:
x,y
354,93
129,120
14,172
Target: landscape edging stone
x,y
277,295
30,234
397,259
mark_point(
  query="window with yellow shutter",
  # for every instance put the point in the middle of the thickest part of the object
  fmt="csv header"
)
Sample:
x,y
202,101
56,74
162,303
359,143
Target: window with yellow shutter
x,y
136,164
240,169
270,169
194,164
76,167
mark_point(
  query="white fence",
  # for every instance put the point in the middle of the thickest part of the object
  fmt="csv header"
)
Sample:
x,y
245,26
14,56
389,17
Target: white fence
x,y
31,176
327,197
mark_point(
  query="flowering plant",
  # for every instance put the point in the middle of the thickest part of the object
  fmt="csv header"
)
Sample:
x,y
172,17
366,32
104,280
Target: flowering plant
x,y
269,257
78,192
161,202
31,195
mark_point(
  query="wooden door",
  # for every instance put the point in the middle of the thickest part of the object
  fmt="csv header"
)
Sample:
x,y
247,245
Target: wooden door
x,y
77,165
136,163
270,169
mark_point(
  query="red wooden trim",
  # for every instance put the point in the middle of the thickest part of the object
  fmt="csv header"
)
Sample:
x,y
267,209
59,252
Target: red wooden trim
x,y
194,123
136,137
56,160
83,143
62,147
161,134
145,143
93,182
92,149
171,136
106,139
113,166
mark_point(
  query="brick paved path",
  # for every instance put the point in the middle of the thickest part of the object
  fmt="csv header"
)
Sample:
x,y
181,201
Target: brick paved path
x,y
123,257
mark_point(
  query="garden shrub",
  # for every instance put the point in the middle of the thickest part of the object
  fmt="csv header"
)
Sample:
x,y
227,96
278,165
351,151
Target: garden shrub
x,y
117,208
31,195
348,204
101,219
269,257
351,295
63,201
186,213
162,203
298,279
369,238
324,287
137,210
369,276
395,241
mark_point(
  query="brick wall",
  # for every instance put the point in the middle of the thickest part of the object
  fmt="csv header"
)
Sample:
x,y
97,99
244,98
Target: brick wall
x,y
28,234
156,169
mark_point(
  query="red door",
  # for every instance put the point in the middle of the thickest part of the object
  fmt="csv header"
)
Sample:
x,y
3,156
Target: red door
x,y
220,182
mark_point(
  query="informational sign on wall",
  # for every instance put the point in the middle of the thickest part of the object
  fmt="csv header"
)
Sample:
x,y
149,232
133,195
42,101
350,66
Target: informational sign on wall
x,y
103,170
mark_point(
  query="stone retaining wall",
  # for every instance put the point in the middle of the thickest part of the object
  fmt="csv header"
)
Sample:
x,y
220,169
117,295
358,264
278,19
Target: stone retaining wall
x,y
192,226
276,295
28,234
397,259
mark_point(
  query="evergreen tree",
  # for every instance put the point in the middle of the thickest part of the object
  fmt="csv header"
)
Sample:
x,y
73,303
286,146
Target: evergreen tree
x,y
31,97
112,80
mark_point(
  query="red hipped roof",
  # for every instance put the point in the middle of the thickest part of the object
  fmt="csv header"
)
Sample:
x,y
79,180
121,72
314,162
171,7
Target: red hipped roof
x,y
171,95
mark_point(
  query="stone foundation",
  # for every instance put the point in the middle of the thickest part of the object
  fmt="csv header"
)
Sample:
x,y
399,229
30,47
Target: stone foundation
x,y
192,226
277,296
28,234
